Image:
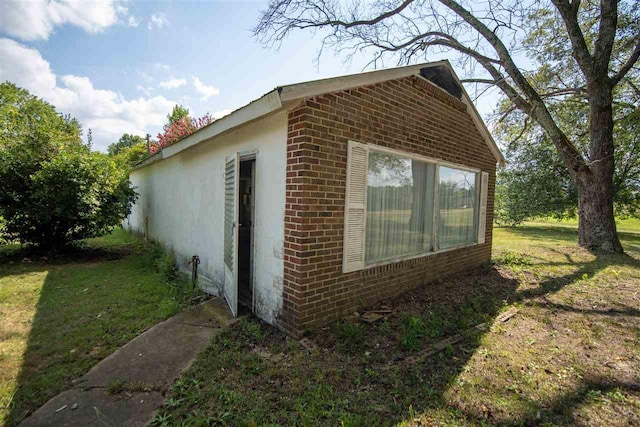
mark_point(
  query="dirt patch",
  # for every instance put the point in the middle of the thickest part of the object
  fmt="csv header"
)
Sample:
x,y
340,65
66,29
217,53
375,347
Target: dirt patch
x,y
422,317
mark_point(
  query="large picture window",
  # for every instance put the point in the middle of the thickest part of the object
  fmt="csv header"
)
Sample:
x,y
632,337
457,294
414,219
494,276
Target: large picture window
x,y
400,205
400,196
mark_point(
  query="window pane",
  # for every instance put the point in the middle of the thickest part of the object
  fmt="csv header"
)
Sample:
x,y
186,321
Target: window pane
x,y
400,198
458,207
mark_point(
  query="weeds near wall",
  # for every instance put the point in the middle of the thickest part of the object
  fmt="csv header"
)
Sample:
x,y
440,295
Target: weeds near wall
x,y
165,263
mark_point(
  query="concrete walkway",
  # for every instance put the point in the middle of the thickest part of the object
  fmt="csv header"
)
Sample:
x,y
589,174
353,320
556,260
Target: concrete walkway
x,y
128,386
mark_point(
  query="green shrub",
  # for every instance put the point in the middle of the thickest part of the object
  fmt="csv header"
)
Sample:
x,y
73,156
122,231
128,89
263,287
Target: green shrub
x,y
55,190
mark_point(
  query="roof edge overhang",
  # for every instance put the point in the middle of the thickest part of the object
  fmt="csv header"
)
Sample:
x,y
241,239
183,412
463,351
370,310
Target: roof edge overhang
x,y
334,84
285,97
261,107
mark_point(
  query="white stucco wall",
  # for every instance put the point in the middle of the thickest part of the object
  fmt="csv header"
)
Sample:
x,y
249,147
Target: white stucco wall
x,y
182,198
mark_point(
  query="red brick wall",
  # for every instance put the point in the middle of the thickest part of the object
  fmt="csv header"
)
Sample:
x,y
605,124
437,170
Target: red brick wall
x,y
408,114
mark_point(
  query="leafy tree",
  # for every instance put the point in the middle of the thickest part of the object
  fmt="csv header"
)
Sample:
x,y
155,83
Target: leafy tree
x,y
536,182
130,148
89,139
490,36
178,114
135,154
54,189
126,141
25,116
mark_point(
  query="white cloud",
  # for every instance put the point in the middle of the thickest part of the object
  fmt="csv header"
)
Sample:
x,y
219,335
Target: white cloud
x,y
132,21
173,83
205,90
158,20
162,66
37,19
145,89
106,112
145,77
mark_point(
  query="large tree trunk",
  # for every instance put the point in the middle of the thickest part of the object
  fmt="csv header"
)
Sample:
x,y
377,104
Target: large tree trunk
x,y
597,227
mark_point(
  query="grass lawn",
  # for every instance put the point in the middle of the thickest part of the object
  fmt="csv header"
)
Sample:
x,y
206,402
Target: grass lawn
x,y
570,355
629,225
60,316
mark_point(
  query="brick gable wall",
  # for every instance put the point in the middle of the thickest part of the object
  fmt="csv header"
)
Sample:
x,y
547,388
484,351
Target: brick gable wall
x,y
408,114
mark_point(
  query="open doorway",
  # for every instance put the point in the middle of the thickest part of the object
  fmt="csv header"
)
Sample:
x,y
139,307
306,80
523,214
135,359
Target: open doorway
x,y
246,209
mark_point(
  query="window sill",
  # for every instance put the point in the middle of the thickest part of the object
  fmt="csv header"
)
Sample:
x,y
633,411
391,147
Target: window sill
x,y
421,255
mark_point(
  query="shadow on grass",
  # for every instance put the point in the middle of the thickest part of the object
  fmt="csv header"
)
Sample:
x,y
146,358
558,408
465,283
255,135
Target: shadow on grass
x,y
602,395
584,271
254,375
625,311
69,311
374,374
250,373
26,259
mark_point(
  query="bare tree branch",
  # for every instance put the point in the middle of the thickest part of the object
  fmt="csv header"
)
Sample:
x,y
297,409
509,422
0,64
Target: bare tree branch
x,y
433,38
482,81
567,150
565,91
569,13
488,65
373,21
633,58
607,34
635,88
525,128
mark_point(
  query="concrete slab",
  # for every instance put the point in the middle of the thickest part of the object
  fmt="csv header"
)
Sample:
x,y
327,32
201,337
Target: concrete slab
x,y
96,408
151,361
155,358
210,315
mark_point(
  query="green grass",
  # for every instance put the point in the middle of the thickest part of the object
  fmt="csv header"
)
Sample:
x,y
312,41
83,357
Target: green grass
x,y
59,316
569,356
625,224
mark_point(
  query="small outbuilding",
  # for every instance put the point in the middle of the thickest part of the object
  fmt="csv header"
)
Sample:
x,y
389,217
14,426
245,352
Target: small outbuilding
x,y
321,197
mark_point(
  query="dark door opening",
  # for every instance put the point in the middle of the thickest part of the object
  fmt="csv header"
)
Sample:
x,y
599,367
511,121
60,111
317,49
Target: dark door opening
x,y
246,204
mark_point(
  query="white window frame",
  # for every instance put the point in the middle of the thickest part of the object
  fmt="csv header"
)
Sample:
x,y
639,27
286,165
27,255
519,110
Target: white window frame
x,y
436,211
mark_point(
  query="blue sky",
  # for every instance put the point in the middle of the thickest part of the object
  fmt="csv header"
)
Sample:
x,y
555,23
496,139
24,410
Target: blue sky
x,y
120,66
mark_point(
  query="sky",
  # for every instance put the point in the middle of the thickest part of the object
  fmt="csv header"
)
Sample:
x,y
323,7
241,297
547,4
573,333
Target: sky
x,y
120,66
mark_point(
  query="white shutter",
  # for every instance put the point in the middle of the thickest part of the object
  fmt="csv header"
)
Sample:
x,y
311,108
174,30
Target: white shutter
x,y
482,219
355,210
230,287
